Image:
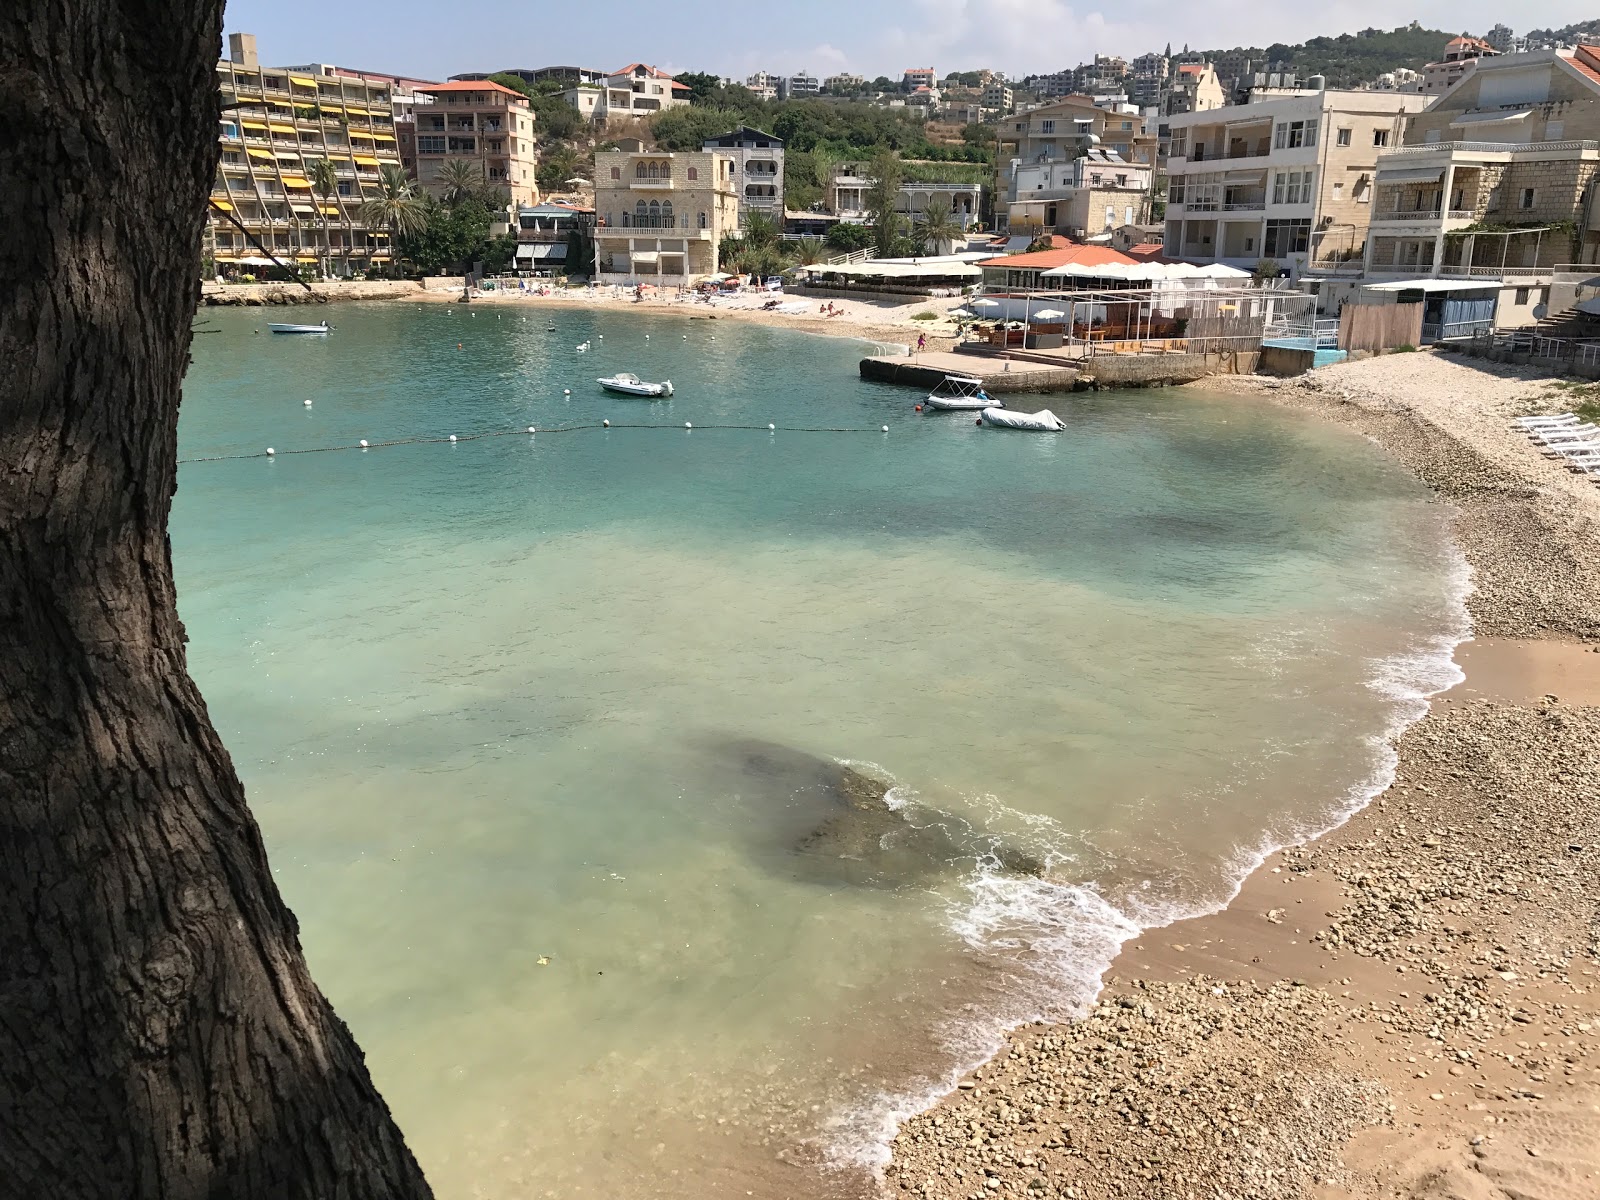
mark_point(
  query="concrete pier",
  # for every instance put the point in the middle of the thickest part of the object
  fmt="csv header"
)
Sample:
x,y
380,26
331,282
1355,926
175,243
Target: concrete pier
x,y
926,370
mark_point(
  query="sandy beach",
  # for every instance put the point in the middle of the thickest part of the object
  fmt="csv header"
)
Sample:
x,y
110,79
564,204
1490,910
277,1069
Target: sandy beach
x,y
1408,1005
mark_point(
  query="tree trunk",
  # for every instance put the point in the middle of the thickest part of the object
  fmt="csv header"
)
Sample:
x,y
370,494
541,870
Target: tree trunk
x,y
160,1035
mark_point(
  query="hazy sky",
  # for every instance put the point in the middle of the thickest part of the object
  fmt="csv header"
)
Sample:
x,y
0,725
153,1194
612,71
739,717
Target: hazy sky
x,y
869,37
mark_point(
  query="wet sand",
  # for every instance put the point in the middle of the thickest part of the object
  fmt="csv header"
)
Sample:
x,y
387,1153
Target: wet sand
x,y
1407,1006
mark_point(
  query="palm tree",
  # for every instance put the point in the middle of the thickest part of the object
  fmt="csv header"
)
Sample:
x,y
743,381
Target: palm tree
x,y
809,251
459,180
937,227
396,207
325,186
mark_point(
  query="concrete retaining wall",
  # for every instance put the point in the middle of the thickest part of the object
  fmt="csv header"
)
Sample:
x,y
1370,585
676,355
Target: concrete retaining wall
x,y
227,294
1282,360
1142,370
894,370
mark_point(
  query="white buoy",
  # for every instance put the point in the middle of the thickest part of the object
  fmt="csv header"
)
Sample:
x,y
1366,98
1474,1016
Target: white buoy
x,y
270,451
453,436
363,443
530,429
686,337
772,427
602,336
566,391
687,425
308,404
606,423
885,429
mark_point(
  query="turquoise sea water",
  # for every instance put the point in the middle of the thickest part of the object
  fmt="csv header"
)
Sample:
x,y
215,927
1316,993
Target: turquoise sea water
x,y
534,725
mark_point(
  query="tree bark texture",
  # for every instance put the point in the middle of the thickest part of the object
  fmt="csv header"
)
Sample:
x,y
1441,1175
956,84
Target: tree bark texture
x,y
160,1035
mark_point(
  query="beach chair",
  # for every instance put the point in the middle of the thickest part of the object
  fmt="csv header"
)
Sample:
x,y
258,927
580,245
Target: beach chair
x,y
1540,422
1566,433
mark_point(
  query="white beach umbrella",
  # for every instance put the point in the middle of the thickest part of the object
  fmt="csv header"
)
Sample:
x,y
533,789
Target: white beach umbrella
x,y
1048,314
985,303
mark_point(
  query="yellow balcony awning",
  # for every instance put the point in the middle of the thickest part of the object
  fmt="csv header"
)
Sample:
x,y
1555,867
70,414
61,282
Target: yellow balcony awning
x,y
253,124
295,181
302,81
254,153
224,205
383,137
357,110
304,208
365,162
286,155
281,128
329,211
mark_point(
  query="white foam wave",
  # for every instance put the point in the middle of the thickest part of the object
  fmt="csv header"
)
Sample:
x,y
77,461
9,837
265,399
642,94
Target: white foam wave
x,y
1063,937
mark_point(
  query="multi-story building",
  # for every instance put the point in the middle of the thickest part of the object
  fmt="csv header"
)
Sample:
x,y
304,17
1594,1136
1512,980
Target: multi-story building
x,y
1194,88
546,234
1071,126
481,123
637,90
567,76
1497,179
662,215
1287,178
1504,41
852,181
763,81
998,98
1461,57
758,170
801,84
843,84
278,125
917,77
1085,197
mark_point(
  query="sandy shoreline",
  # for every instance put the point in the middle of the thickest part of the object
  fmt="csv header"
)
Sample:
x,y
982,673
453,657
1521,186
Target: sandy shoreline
x,y
1407,1006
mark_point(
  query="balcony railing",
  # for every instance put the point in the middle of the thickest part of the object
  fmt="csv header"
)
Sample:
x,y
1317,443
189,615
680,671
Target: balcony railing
x,y
634,221
1245,206
1495,148
1426,214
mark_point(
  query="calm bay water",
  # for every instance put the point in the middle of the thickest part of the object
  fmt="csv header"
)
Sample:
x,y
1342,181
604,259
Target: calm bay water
x,y
536,727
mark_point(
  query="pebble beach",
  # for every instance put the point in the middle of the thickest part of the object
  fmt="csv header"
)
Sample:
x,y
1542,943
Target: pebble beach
x,y
1406,1007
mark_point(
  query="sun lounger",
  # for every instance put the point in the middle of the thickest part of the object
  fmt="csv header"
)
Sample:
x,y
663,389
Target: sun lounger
x,y
1537,422
1567,433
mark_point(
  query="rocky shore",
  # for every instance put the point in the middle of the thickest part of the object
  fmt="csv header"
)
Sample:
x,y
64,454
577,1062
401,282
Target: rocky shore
x,y
1408,1006
232,295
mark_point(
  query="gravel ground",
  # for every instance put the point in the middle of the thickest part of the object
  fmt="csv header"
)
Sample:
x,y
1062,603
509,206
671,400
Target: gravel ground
x,y
1406,1008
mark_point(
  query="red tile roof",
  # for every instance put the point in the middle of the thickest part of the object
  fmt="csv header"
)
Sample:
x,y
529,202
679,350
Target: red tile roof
x,y
652,73
1585,68
471,85
1191,68
1149,251
1072,252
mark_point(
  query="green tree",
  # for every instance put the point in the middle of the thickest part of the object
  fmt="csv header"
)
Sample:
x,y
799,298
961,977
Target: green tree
x,y
459,180
761,232
324,181
847,239
554,120
886,174
557,165
395,206
515,82
937,227
808,251
450,238
700,85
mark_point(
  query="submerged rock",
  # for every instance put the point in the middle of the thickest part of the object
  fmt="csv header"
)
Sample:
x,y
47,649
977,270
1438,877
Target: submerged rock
x,y
851,830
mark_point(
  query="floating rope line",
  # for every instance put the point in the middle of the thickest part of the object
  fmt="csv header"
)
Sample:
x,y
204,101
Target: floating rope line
x,y
270,452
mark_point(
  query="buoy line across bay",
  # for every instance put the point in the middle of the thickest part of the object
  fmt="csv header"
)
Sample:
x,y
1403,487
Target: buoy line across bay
x,y
448,439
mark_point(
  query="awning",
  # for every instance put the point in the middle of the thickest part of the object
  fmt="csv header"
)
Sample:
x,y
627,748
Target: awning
x,y
1490,118
295,181
286,155
1434,285
329,211
281,128
224,205
303,208
307,258
253,124
255,153
645,257
1246,176
383,137
1410,175
542,250
302,81
365,162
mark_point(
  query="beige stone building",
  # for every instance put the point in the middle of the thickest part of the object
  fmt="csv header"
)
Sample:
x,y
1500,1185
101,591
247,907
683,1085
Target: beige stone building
x,y
662,215
277,124
1287,178
1496,180
481,123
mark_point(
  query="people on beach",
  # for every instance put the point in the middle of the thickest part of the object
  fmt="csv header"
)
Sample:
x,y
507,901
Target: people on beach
x,y
922,341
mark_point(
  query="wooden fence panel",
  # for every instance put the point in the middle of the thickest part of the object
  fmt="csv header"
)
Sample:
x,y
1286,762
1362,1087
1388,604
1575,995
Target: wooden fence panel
x,y
1380,326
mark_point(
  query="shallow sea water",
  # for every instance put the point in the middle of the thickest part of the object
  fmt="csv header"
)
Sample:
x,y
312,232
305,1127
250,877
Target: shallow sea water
x,y
538,728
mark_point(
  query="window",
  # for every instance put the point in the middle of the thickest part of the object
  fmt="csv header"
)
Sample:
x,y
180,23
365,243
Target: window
x,y
1553,130
1292,187
1111,215
1342,138
694,172
1127,215
1380,137
1122,181
1527,199
702,220
429,145
1291,135
616,172
1047,126
1127,125
1287,237
1522,297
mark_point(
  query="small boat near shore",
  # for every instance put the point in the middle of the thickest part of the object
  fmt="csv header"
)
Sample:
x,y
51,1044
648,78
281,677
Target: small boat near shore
x,y
961,393
1043,421
625,383
276,328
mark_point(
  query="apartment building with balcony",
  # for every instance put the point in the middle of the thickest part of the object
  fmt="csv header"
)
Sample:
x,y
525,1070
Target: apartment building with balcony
x,y
277,125
1287,177
998,97
1086,198
481,123
916,77
662,216
844,84
800,85
1194,87
846,196
758,170
1499,179
1461,56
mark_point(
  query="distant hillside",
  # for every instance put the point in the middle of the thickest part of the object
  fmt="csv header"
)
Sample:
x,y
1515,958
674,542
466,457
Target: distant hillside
x,y
1350,58
1583,31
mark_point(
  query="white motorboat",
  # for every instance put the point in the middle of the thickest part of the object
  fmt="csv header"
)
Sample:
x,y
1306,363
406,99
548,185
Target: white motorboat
x,y
625,383
323,328
961,393
1043,421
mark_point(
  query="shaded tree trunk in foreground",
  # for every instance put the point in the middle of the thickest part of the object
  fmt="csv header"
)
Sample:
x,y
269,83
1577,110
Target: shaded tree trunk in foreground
x,y
160,1035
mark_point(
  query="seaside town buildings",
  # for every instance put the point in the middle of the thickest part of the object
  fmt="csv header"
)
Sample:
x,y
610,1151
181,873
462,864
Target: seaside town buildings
x,y
757,173
850,182
278,125
1075,167
1288,178
637,90
481,123
1461,55
661,215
